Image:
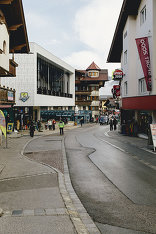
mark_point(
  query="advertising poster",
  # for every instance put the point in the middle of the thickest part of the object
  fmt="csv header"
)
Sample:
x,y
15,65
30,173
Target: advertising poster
x,y
153,132
2,123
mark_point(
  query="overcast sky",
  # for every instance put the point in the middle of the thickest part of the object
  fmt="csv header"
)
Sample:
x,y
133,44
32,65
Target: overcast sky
x,y
76,31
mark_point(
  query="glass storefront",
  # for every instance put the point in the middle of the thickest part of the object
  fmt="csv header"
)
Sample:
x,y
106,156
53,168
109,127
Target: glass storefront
x,y
52,80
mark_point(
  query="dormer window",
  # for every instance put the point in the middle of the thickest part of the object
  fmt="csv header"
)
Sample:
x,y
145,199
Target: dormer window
x,y
93,73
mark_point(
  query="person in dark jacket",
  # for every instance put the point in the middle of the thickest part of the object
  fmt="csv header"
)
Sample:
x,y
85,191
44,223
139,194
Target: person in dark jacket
x,y
81,121
111,124
32,129
114,123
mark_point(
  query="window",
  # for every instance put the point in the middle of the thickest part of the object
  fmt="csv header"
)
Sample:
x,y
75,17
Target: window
x,y
125,88
142,86
125,34
125,57
4,47
143,16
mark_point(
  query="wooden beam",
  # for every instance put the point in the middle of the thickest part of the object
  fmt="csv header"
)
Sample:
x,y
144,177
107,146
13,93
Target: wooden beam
x,y
17,48
6,2
14,27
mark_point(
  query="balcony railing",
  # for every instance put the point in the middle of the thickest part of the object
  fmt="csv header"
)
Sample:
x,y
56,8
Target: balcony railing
x,y
83,102
45,91
7,96
12,69
82,92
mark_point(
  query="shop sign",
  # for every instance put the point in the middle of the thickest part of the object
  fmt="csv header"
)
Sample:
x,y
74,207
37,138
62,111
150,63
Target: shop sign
x,y
24,96
143,50
10,127
153,132
10,96
2,123
117,74
116,91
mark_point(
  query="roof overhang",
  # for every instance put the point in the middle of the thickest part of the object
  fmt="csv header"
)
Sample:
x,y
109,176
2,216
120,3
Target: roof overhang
x,y
129,7
14,16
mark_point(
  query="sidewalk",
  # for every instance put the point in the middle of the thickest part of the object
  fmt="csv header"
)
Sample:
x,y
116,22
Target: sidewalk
x,y
36,198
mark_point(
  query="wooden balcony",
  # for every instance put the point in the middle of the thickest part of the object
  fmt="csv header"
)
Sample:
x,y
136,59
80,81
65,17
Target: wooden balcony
x,y
83,92
83,102
12,69
7,96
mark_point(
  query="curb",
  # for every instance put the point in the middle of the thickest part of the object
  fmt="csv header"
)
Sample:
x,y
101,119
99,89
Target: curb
x,y
78,214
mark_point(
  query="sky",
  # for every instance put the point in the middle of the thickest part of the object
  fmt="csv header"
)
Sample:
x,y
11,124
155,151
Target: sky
x,y
77,31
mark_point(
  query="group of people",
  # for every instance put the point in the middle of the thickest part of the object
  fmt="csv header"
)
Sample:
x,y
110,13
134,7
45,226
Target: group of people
x,y
113,123
51,124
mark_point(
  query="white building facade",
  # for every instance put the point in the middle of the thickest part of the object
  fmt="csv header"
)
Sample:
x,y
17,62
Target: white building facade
x,y
43,82
137,20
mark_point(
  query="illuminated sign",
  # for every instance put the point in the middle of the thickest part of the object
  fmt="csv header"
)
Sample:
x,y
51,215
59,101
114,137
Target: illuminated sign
x,y
117,74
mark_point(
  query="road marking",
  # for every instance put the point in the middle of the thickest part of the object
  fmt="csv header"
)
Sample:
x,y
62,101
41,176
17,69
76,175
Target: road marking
x,y
148,150
113,145
106,134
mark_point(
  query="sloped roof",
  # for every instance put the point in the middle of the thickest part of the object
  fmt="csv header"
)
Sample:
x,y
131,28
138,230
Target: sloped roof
x,y
93,66
129,7
103,75
14,16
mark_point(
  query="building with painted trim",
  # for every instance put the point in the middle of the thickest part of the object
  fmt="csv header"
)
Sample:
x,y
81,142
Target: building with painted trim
x,y
13,39
137,20
43,82
87,85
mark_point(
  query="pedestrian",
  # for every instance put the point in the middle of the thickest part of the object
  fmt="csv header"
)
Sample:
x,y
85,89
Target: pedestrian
x,y
50,124
61,126
18,125
111,124
53,124
38,125
81,121
97,119
32,129
114,123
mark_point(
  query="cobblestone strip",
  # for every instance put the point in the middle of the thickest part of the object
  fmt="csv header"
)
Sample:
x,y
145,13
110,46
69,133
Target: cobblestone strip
x,y
78,214
36,212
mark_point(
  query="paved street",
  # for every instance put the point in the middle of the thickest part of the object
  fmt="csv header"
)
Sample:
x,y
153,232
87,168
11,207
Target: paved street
x,y
115,178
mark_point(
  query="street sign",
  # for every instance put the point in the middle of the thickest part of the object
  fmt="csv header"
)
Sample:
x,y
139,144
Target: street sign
x,y
153,132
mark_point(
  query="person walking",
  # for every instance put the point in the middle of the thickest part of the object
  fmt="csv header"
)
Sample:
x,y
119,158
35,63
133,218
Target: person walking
x,y
111,124
53,124
114,123
50,124
81,121
32,129
61,126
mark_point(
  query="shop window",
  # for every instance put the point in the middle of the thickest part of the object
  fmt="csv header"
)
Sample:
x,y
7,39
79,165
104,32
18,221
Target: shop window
x,y
143,15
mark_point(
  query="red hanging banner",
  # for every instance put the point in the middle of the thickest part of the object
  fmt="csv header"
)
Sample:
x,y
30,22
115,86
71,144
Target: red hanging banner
x,y
143,49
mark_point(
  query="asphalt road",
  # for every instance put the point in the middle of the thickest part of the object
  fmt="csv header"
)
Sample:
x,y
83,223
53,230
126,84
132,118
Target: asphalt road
x,y
117,189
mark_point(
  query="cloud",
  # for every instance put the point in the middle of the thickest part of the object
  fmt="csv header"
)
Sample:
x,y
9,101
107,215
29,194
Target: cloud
x,y
82,59
95,23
